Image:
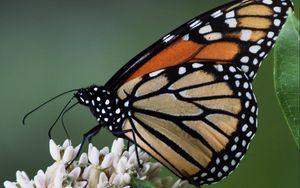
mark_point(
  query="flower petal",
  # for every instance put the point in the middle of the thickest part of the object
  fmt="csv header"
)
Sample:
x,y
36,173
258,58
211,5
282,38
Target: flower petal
x,y
104,151
121,167
67,143
118,146
117,180
94,156
69,154
126,178
54,150
103,180
75,173
40,179
107,161
83,159
8,184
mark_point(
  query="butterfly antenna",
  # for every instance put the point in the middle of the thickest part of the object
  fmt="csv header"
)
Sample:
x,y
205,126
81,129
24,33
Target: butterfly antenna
x,y
60,114
62,119
46,102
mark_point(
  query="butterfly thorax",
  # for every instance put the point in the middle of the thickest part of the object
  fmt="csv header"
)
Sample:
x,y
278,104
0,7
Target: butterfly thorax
x,y
104,106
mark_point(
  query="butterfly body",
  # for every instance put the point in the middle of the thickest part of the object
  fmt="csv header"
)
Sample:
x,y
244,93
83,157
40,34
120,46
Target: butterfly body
x,y
106,107
187,100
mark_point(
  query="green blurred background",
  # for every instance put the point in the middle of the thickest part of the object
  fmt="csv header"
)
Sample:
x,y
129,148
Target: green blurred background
x,y
47,47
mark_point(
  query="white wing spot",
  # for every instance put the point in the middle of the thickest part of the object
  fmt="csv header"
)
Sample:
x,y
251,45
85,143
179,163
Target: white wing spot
x,y
270,34
230,14
233,162
262,54
247,104
213,36
205,29
245,59
234,147
269,43
260,41
248,95
219,68
251,119
244,143
249,134
217,14
254,49
168,38
126,104
277,9
237,83
155,73
225,157
213,169
255,61
186,37
246,34
277,22
268,2
197,65
220,174
195,24
245,127
238,76
245,68
225,168
231,22
238,154
246,85
181,70
232,69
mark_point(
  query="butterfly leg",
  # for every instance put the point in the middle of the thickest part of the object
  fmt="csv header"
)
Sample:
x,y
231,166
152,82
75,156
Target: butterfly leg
x,y
121,133
88,135
128,145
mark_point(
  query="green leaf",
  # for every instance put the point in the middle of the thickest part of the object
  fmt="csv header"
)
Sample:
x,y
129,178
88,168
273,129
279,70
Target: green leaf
x,y
136,183
286,74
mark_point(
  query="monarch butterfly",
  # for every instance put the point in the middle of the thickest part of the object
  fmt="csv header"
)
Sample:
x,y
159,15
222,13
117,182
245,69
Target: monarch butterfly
x,y
187,99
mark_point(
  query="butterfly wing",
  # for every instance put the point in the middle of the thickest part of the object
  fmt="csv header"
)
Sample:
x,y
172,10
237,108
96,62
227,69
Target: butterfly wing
x,y
197,118
240,32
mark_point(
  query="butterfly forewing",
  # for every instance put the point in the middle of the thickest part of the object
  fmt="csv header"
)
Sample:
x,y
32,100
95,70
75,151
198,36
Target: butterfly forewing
x,y
240,32
196,118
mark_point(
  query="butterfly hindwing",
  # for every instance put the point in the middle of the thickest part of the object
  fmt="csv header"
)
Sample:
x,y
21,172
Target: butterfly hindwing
x,y
197,119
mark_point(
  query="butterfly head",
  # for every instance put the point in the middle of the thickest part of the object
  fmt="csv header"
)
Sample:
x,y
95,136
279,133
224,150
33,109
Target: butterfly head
x,y
102,104
88,96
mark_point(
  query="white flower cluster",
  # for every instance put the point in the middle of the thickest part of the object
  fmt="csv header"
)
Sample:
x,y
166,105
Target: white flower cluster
x,y
97,169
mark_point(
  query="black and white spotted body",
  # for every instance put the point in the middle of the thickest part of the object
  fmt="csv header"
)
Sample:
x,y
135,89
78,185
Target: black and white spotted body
x,y
104,106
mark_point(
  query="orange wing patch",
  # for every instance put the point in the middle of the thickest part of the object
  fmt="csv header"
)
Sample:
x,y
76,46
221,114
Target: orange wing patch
x,y
183,51
216,52
178,52
255,10
254,36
